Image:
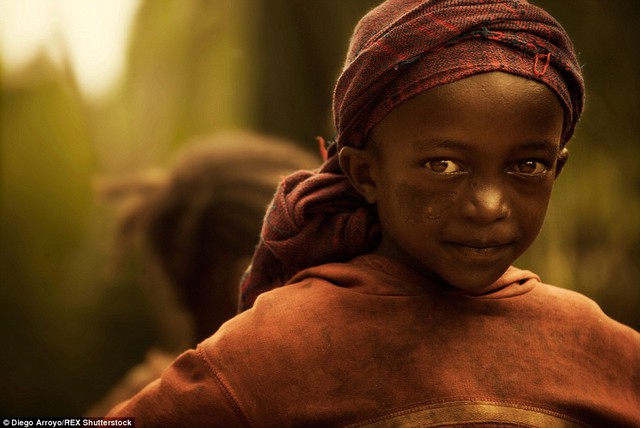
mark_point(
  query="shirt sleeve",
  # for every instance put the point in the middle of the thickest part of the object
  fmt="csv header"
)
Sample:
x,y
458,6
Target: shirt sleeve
x,y
189,393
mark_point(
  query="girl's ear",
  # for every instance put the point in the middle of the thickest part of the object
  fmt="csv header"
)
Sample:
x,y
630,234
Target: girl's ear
x,y
357,167
563,157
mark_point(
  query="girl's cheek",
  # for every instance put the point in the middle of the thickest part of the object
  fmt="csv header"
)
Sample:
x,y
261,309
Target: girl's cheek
x,y
417,204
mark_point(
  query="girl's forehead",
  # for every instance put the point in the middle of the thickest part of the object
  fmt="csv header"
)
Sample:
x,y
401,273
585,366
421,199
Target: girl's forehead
x,y
489,90
485,105
492,91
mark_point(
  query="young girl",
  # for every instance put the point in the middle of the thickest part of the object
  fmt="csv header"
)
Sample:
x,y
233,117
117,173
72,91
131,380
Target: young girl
x,y
400,306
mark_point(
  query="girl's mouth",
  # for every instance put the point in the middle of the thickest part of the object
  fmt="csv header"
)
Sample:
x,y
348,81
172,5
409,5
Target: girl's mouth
x,y
480,251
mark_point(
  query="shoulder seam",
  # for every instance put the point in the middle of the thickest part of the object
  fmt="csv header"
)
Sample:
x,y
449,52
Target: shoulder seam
x,y
226,389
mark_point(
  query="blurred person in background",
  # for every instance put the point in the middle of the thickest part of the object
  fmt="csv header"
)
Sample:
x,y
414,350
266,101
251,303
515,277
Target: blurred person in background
x,y
197,224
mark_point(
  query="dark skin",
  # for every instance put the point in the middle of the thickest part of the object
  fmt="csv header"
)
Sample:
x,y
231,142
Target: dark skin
x,y
461,176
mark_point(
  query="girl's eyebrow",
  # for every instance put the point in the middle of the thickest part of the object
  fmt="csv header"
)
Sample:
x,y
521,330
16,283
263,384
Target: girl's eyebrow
x,y
434,143
539,145
533,145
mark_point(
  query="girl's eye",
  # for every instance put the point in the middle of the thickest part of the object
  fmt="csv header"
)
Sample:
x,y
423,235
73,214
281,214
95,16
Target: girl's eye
x,y
530,167
443,166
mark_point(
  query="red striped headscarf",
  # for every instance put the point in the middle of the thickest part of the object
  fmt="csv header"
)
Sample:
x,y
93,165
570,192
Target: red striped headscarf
x,y
398,50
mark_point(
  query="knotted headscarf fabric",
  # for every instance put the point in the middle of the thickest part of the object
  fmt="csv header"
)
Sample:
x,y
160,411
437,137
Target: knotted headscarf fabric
x,y
398,50
315,217
404,47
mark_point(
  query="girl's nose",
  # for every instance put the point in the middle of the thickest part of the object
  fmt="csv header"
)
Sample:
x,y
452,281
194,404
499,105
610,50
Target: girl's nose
x,y
485,203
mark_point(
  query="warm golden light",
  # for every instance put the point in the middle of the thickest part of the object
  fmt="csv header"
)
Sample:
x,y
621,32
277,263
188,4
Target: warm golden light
x,y
90,36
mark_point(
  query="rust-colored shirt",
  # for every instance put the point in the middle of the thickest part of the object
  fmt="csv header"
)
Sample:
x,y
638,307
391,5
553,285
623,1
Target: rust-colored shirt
x,y
371,342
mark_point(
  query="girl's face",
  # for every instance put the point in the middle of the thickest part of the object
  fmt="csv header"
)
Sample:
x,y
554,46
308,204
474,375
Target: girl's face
x,y
462,175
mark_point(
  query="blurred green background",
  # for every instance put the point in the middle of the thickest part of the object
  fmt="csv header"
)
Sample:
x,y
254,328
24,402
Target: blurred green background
x,y
71,326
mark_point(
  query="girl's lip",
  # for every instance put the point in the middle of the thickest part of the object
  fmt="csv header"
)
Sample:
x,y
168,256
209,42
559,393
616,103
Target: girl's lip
x,y
481,251
481,243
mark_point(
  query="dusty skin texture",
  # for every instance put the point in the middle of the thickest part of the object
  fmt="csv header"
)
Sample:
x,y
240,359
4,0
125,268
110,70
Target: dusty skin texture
x,y
461,176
